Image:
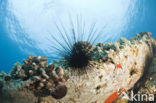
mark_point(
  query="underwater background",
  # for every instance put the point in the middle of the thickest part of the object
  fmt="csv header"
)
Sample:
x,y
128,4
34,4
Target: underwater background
x,y
26,26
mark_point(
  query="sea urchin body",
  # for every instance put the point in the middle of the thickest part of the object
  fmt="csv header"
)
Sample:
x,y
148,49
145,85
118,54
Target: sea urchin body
x,y
80,55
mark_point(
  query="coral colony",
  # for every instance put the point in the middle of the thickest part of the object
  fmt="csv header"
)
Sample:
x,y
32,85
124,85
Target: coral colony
x,y
42,79
110,69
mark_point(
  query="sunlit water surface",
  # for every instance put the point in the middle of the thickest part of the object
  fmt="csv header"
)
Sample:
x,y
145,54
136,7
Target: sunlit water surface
x,y
26,26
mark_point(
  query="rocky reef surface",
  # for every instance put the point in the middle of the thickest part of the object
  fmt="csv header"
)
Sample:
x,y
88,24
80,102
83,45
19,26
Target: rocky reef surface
x,y
123,67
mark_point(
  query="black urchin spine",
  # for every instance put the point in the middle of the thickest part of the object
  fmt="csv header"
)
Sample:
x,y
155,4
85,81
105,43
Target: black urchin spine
x,y
76,51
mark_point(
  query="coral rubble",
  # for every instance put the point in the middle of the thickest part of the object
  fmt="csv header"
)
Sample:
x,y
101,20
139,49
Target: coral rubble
x,y
113,69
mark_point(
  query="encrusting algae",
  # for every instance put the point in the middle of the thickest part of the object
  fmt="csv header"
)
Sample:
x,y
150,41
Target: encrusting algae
x,y
114,69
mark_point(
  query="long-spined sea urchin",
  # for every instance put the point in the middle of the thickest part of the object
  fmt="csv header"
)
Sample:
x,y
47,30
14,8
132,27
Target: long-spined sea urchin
x,y
76,46
80,55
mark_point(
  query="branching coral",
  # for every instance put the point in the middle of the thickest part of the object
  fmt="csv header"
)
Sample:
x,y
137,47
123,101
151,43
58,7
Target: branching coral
x,y
43,79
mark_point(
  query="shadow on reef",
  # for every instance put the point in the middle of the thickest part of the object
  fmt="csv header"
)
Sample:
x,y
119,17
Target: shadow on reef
x,y
146,73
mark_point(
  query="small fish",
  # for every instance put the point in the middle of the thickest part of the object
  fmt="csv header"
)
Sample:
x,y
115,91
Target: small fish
x,y
112,97
118,66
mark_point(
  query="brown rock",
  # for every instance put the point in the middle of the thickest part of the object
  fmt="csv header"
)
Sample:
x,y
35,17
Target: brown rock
x,y
59,92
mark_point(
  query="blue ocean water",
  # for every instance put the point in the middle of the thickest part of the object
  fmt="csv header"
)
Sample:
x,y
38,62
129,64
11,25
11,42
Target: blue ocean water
x,y
26,25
